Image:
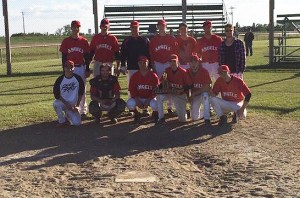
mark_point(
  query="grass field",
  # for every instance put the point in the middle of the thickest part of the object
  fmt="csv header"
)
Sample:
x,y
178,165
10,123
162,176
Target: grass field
x,y
26,96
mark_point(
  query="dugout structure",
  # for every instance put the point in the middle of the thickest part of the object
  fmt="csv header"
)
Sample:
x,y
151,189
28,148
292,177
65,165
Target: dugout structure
x,y
148,15
286,51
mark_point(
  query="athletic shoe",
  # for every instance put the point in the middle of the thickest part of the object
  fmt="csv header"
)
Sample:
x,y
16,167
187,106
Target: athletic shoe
x,y
160,122
223,120
188,114
207,122
114,120
155,116
83,117
137,117
234,118
145,113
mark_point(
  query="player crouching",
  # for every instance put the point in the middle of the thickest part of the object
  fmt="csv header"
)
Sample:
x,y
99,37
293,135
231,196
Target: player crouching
x,y
235,96
200,90
141,86
68,91
105,95
175,83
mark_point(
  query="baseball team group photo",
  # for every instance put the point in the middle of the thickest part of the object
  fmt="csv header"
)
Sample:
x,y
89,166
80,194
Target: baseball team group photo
x,y
180,107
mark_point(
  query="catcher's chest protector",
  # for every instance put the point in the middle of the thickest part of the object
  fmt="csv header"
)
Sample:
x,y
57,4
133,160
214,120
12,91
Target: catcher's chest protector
x,y
106,87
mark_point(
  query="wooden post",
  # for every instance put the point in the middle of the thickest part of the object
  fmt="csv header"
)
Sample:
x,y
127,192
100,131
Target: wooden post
x,y
57,51
1,56
271,32
7,37
95,12
184,11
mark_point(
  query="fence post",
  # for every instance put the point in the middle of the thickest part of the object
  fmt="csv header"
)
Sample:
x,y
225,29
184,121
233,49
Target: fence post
x,y
1,56
57,51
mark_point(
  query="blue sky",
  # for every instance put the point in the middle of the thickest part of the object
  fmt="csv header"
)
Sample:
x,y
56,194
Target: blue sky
x,y
49,15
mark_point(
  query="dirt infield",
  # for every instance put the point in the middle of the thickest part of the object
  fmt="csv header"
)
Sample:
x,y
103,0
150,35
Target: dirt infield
x,y
258,157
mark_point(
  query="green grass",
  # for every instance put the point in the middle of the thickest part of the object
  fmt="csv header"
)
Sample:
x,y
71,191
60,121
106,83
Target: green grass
x,y
26,96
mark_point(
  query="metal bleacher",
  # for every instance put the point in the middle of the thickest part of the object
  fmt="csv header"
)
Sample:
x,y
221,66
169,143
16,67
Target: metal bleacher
x,y
284,51
148,15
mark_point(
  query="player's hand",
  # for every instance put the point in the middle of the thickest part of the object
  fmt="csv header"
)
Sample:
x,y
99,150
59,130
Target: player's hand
x,y
88,73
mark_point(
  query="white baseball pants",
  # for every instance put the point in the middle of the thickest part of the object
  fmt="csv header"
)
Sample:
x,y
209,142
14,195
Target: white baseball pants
x,y
196,112
128,76
83,109
212,69
131,104
222,106
180,102
63,114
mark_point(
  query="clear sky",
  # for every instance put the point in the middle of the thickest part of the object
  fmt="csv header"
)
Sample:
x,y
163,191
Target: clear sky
x,y
49,15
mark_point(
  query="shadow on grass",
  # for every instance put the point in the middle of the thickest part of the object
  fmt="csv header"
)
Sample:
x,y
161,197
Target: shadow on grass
x,y
54,146
280,110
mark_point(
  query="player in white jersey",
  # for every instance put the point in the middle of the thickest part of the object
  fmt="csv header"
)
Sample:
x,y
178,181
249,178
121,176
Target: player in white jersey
x,y
68,90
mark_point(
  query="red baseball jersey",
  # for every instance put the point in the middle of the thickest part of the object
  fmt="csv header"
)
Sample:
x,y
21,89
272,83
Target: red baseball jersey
x,y
185,49
75,49
208,49
200,78
142,86
161,48
178,79
235,90
105,47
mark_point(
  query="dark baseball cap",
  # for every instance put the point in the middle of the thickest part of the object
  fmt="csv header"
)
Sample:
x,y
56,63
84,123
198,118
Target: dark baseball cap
x,y
104,22
134,24
75,23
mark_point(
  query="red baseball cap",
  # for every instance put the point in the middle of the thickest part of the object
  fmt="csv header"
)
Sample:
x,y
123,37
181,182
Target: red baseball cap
x,y
173,57
142,58
223,68
75,23
195,58
69,63
134,24
104,22
207,23
161,22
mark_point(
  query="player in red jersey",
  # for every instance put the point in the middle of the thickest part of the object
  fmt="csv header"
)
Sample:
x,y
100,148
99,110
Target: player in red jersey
x,y
186,46
235,96
162,45
76,48
200,90
141,87
105,47
179,84
208,50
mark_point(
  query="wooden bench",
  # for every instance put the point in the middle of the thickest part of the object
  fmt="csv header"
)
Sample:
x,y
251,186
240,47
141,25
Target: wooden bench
x,y
148,15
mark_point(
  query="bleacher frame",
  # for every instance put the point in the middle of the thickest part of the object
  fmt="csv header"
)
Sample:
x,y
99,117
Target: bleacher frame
x,y
281,52
148,15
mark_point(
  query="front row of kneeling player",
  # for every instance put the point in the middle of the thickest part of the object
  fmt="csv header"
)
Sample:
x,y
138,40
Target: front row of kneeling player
x,y
182,86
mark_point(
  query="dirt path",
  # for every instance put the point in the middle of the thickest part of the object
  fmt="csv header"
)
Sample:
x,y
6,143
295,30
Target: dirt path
x,y
259,157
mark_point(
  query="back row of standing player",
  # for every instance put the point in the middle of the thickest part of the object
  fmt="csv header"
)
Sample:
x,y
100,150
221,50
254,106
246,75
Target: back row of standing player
x,y
104,48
